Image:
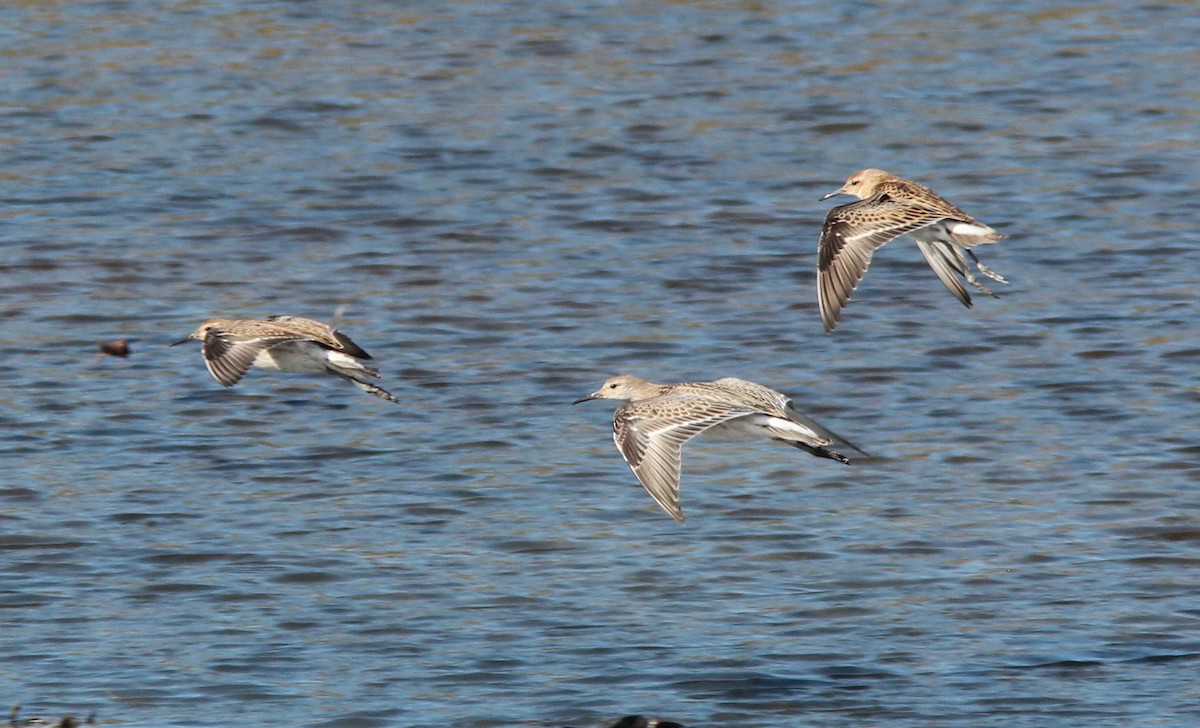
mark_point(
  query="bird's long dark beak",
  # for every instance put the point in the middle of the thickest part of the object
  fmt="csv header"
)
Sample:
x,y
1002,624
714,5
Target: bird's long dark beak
x,y
584,399
184,340
835,193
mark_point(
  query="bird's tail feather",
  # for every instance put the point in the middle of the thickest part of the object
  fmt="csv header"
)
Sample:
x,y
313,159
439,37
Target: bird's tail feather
x,y
823,431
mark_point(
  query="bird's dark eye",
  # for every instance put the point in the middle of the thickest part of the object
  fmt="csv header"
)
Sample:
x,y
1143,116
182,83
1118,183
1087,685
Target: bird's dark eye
x,y
612,386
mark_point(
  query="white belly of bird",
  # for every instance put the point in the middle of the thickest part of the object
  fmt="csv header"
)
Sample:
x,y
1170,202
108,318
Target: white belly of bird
x,y
297,356
961,233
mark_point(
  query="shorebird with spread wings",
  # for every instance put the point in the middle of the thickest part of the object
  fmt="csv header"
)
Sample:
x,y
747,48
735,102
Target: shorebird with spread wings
x,y
888,207
656,420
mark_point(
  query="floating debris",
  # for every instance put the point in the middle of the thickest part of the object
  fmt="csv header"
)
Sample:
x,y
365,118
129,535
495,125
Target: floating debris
x,y
69,721
117,347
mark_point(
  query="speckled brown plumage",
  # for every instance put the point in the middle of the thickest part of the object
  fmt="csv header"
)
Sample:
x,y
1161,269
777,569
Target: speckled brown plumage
x,y
284,343
889,207
656,420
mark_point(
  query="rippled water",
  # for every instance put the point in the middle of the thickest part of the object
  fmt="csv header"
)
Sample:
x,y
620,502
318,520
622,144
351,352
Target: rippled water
x,y
514,201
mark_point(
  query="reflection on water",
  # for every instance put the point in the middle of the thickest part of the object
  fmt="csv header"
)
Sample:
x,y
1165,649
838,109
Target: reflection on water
x,y
514,202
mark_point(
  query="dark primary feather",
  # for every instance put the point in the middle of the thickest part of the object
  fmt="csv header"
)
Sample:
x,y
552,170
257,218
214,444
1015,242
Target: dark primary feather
x,y
946,263
228,358
349,346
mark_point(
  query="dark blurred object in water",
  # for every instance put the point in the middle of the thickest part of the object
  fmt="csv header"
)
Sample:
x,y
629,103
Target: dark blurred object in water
x,y
118,347
641,721
69,721
638,721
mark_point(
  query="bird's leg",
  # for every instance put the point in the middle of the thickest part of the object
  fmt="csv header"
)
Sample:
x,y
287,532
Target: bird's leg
x,y
986,270
365,386
962,268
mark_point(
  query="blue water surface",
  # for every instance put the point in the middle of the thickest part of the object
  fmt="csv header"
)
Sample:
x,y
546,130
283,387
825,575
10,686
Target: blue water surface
x,y
508,202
